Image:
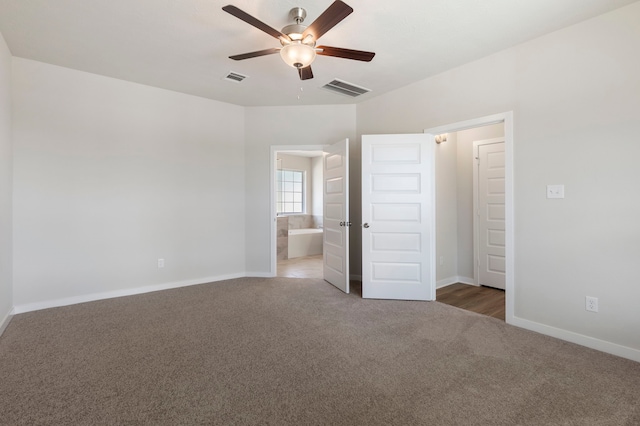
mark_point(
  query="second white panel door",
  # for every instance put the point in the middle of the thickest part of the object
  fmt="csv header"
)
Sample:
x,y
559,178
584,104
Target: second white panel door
x,y
398,207
490,212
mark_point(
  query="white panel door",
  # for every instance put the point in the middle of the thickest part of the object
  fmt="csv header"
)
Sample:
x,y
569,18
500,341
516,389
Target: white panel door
x,y
336,215
490,213
398,215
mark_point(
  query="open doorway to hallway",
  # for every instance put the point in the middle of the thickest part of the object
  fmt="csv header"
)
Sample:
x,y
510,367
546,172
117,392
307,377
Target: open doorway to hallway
x,y
469,243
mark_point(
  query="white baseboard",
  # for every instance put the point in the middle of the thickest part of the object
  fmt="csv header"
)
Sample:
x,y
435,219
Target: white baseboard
x,y
5,321
467,280
454,280
260,275
580,339
354,277
28,307
569,336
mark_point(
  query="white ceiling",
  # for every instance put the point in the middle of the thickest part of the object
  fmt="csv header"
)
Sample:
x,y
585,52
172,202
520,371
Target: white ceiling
x,y
183,45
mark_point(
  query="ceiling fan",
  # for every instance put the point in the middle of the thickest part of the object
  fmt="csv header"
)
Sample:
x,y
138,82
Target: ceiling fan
x,y
299,41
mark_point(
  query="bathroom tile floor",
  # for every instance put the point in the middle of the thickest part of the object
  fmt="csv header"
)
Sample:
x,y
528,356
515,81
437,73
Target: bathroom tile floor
x,y
301,267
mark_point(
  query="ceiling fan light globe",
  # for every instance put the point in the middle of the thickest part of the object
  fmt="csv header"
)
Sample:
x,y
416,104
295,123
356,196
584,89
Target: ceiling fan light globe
x,y
298,55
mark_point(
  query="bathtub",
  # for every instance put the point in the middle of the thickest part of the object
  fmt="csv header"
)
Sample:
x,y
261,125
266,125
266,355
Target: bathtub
x,y
305,242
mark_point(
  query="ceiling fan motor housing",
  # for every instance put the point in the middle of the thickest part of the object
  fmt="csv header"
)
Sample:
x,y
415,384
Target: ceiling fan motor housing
x,y
297,14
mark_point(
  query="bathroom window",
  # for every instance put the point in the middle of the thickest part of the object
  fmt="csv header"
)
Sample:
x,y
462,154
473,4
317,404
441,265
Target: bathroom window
x,y
290,191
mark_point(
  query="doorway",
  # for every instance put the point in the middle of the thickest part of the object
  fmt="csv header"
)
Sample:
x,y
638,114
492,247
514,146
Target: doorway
x,y
298,205
456,251
329,228
488,205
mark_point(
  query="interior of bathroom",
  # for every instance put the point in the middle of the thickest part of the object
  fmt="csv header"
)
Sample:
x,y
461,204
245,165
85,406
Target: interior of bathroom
x,y
299,207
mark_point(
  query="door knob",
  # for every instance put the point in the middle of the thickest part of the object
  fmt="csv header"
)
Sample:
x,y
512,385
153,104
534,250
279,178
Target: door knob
x,y
365,225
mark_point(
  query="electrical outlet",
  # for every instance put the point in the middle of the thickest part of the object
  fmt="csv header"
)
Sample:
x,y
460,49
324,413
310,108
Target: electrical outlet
x,y
441,260
160,263
591,304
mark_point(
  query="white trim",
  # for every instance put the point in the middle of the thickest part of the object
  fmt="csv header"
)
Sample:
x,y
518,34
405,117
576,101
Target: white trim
x,y
509,210
455,280
5,321
507,119
471,124
274,150
468,281
20,309
432,224
580,339
446,282
260,275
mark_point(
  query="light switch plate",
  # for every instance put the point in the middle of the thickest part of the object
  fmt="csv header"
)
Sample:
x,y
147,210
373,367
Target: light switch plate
x,y
555,191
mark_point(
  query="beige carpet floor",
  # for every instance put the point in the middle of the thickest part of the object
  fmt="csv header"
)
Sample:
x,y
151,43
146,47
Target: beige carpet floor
x,y
293,351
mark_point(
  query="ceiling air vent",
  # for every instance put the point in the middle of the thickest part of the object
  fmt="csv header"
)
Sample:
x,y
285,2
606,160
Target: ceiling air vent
x,y
235,77
345,88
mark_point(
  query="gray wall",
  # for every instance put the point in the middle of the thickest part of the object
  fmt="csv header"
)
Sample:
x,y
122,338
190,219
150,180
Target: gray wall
x,y
6,286
575,98
110,176
446,211
316,186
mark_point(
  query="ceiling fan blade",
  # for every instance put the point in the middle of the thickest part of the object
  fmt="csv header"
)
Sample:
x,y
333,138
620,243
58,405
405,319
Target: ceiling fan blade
x,y
328,19
254,54
305,73
240,14
338,52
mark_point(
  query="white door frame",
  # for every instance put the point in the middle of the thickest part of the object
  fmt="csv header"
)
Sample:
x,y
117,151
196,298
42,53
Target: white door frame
x,y
275,149
507,119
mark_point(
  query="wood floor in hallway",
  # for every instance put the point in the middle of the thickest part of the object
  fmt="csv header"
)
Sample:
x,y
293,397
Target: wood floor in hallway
x,y
482,300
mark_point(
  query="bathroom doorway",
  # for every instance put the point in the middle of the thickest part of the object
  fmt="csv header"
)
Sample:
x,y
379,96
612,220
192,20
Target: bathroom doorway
x,y
298,196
